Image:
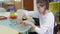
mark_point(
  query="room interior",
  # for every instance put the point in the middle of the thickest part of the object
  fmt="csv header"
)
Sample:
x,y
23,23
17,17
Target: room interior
x,y
30,5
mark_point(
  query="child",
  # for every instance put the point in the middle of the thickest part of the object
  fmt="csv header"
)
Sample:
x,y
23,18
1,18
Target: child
x,y
46,18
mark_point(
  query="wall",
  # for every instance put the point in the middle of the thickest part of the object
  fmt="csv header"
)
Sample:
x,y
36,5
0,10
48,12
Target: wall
x,y
35,6
28,4
18,4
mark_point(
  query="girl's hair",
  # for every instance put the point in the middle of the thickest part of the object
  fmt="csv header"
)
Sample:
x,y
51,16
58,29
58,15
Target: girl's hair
x,y
44,2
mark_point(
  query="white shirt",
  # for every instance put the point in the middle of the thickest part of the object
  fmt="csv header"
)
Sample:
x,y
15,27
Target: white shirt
x,y
46,22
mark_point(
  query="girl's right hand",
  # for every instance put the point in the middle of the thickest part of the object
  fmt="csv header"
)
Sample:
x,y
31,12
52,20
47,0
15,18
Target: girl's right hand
x,y
19,19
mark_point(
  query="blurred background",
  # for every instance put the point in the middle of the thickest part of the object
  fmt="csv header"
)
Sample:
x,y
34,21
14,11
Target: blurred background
x,y
27,4
30,5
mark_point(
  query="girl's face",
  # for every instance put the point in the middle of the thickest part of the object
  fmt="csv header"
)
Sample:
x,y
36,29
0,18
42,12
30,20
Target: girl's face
x,y
41,8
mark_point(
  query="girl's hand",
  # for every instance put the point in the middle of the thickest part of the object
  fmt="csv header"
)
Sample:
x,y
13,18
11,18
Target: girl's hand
x,y
19,19
29,23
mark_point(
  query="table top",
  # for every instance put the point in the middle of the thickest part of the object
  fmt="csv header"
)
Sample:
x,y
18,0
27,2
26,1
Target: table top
x,y
11,23
7,30
58,23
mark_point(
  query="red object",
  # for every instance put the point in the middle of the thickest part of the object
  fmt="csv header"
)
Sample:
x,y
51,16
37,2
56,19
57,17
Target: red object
x,y
3,17
12,17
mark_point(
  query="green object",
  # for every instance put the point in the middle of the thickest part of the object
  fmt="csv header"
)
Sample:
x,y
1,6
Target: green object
x,y
59,6
57,16
53,2
54,6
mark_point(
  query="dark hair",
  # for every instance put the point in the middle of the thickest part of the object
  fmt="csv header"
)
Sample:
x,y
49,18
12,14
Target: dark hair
x,y
44,2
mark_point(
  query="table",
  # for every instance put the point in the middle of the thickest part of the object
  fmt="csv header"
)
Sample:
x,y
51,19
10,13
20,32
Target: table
x,y
11,23
7,30
58,23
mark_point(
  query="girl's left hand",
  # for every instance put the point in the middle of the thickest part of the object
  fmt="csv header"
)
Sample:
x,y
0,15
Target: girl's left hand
x,y
28,22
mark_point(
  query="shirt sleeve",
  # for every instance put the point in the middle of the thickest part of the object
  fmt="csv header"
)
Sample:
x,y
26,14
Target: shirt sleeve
x,y
32,14
48,24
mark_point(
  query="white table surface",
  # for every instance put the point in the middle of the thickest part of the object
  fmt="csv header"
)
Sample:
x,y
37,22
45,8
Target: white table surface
x,y
4,27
